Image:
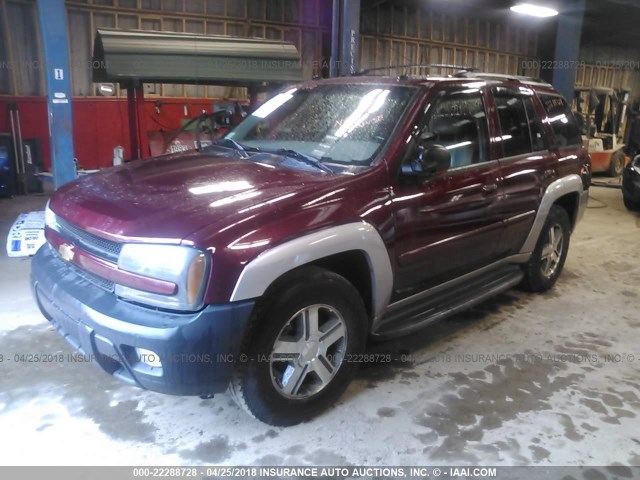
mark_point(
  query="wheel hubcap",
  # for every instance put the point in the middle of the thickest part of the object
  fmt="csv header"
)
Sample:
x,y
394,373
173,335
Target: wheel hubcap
x,y
552,251
308,351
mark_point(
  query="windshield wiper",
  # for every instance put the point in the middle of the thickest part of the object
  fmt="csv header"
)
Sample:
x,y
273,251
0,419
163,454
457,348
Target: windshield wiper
x,y
233,145
308,159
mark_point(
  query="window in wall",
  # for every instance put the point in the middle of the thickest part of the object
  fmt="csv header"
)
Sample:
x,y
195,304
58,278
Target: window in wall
x,y
459,124
128,3
562,121
25,48
521,132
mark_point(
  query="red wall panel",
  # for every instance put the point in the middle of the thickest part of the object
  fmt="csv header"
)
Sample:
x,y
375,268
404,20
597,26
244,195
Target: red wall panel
x,y
99,124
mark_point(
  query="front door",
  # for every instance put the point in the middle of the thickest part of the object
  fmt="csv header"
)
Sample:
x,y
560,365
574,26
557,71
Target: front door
x,y
449,223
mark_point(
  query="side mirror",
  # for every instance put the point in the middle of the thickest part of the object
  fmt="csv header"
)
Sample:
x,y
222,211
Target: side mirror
x,y
434,159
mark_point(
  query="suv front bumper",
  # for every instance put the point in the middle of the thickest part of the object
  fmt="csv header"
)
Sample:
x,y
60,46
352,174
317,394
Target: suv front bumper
x,y
197,350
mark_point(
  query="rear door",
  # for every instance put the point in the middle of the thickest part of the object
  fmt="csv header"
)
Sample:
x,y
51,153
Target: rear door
x,y
525,161
448,224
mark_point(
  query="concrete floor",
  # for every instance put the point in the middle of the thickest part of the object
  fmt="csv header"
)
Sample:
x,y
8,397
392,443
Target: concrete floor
x,y
548,379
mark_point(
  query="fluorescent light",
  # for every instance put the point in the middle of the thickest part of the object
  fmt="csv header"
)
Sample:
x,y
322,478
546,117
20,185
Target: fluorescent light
x,y
534,10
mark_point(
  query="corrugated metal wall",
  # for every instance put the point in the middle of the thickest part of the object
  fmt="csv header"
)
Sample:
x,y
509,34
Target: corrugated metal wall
x,y
393,35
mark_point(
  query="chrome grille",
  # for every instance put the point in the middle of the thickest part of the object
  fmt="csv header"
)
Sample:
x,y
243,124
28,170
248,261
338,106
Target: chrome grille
x,y
100,247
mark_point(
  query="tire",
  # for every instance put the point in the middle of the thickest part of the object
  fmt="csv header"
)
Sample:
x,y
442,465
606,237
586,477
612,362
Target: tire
x,y
616,164
294,371
547,260
630,204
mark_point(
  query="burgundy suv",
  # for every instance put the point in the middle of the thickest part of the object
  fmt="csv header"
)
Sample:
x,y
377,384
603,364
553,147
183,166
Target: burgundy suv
x,y
340,210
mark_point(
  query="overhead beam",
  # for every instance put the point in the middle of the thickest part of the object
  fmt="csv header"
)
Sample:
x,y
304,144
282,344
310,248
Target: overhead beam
x,y
55,42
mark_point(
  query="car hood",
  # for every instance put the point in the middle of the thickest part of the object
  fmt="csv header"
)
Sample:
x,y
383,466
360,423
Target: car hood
x,y
168,198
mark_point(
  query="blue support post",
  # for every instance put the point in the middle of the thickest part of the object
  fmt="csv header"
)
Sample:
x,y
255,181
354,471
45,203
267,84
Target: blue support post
x,y
568,47
349,37
55,42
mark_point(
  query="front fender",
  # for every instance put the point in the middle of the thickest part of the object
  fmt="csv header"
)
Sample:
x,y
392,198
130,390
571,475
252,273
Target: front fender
x,y
270,265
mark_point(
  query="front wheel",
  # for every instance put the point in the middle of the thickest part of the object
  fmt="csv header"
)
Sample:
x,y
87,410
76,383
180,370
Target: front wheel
x,y
548,258
300,354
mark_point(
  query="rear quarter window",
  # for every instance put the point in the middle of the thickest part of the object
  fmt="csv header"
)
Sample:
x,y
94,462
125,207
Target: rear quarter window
x,y
561,119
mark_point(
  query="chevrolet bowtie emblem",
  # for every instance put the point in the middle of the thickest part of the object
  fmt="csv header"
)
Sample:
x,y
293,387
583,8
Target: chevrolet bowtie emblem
x,y
66,252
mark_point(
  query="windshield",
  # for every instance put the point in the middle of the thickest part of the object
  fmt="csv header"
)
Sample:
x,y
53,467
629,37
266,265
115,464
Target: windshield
x,y
340,124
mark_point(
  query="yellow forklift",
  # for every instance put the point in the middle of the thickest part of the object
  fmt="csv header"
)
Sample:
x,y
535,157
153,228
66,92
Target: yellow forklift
x,y
602,113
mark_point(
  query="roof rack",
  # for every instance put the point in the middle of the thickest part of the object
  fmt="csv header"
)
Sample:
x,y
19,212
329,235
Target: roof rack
x,y
459,69
501,76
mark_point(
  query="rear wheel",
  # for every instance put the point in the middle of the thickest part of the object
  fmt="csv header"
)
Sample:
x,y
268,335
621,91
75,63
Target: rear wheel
x,y
299,356
548,258
616,165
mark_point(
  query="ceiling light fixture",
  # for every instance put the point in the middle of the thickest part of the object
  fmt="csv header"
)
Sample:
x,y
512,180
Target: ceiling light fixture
x,y
534,10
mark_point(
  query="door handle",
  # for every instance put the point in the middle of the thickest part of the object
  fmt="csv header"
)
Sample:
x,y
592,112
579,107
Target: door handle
x,y
489,188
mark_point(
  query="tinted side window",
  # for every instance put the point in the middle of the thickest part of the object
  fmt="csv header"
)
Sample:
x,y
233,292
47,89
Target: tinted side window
x,y
458,123
514,125
562,121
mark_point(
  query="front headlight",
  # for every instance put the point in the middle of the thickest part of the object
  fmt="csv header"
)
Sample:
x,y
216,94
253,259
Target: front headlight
x,y
186,267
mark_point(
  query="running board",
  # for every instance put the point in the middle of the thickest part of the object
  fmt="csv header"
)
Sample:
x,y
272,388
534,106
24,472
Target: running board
x,y
414,313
